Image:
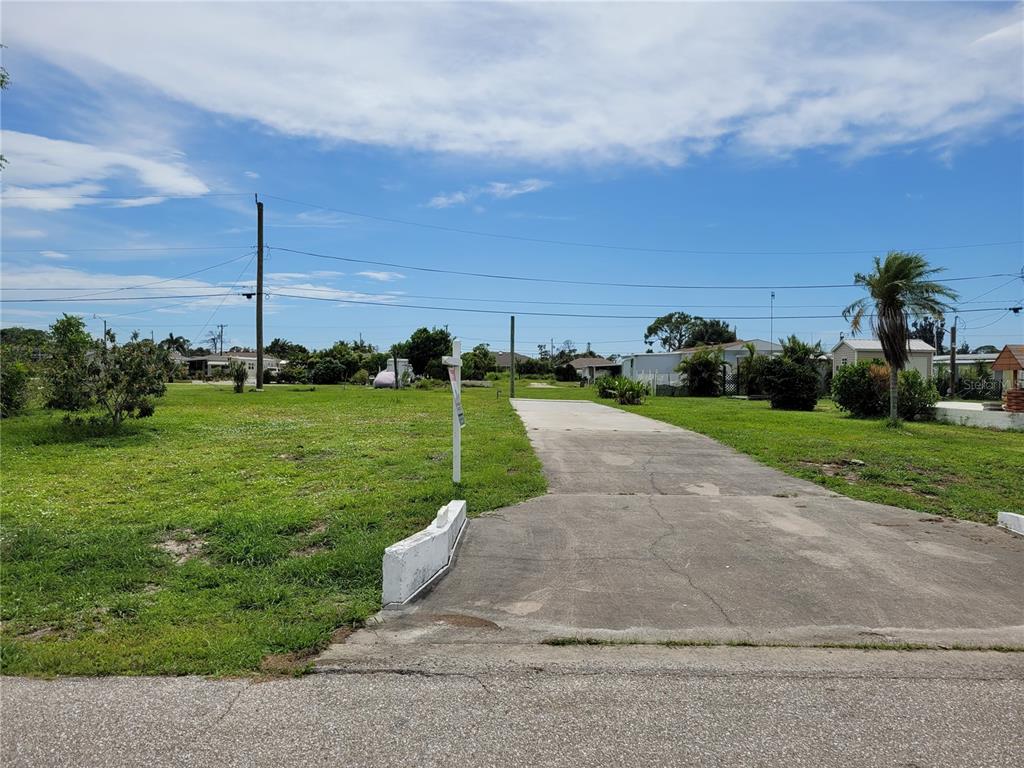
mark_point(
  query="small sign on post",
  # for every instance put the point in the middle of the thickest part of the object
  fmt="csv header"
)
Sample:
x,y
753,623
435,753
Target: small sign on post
x,y
454,363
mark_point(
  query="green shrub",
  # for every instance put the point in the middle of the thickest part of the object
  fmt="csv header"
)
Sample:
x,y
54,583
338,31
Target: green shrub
x,y
362,376
269,376
566,373
791,386
293,373
917,396
239,374
629,392
493,376
703,371
14,391
607,386
327,371
861,389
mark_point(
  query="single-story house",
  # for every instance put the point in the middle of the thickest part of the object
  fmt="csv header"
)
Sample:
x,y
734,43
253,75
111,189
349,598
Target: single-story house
x,y
404,369
852,351
205,365
503,360
590,368
660,367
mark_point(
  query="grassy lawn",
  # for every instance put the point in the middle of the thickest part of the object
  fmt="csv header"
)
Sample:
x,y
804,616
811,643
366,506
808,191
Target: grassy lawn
x,y
229,532
940,469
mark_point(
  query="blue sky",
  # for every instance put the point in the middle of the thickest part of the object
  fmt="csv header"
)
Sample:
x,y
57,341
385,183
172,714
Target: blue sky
x,y
789,134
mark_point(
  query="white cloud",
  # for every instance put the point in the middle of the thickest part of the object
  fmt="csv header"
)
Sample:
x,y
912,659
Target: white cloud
x,y
54,174
502,190
382,277
54,255
25,233
551,82
252,174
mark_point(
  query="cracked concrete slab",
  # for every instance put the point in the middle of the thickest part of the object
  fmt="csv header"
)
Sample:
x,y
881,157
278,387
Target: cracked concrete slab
x,y
651,532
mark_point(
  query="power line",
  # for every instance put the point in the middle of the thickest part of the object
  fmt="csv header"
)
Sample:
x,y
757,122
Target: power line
x,y
563,314
615,247
217,309
125,197
123,298
522,278
130,250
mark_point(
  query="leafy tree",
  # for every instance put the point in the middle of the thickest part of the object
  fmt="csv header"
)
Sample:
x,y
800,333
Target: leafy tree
x,y
26,341
122,379
671,331
293,373
543,353
703,371
791,386
64,378
964,349
14,389
703,331
425,348
898,288
287,350
478,362
930,330
327,371
985,349
177,344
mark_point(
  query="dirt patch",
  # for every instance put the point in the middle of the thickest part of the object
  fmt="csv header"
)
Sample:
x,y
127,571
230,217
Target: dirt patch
x,y
312,549
182,545
38,634
287,663
833,469
341,634
465,621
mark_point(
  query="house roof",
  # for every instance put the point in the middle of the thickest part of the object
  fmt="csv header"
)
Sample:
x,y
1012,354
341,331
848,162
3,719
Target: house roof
x,y
592,362
1010,359
874,345
738,344
504,359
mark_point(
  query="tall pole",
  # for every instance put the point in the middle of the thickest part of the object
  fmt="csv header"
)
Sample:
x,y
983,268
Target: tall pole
x,y
259,296
952,358
512,358
771,327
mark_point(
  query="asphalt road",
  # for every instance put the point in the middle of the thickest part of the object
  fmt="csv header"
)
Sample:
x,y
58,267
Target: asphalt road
x,y
496,705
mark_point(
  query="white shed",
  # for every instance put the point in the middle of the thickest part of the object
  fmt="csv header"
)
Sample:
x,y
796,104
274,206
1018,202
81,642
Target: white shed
x,y
851,351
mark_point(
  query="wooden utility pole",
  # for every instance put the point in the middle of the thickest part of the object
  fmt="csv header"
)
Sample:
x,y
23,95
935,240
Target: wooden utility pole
x,y
259,295
952,359
394,360
512,359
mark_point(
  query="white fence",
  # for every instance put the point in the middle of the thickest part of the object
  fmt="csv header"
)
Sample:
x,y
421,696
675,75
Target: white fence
x,y
654,378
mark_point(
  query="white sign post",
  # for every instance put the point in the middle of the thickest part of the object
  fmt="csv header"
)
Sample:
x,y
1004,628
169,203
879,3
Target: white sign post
x,y
454,363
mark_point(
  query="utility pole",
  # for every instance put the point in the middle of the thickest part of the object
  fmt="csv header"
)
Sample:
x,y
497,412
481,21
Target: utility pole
x,y
771,326
97,317
259,295
220,338
512,358
952,358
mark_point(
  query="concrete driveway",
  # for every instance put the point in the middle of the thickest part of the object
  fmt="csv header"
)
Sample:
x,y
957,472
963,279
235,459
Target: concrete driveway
x,y
652,532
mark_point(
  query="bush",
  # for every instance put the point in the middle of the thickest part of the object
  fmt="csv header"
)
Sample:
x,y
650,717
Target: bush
x,y
566,373
327,371
791,386
629,392
607,386
269,376
917,397
14,391
703,371
239,375
293,373
362,376
493,376
861,389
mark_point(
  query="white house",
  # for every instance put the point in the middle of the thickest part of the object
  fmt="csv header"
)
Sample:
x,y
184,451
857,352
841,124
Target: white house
x,y
660,367
207,365
851,351
591,368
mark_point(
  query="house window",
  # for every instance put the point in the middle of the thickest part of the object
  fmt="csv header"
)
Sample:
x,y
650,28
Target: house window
x,y
843,362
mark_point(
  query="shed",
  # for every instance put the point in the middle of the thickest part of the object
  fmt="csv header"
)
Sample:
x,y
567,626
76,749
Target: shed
x,y
1011,362
852,351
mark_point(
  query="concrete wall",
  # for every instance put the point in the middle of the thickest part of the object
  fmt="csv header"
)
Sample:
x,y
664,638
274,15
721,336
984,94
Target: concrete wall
x,y
661,364
413,563
974,415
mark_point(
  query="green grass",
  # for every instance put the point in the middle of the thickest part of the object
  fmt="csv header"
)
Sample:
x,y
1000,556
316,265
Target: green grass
x,y
278,505
941,469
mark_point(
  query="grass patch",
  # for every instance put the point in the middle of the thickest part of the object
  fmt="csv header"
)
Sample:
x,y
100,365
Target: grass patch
x,y
229,533
941,469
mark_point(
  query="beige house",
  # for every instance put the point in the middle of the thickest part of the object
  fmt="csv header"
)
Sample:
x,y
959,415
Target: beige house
x,y
852,351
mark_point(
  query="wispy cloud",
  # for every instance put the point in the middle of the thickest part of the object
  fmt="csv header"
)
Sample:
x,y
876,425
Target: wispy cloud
x,y
252,174
54,255
650,83
500,190
54,174
382,277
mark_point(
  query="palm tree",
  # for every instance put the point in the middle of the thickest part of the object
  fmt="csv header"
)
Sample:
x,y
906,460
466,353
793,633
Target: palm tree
x,y
175,343
898,289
